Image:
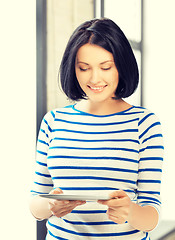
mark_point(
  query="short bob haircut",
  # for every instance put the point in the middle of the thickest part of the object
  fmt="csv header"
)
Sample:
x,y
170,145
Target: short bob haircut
x,y
106,34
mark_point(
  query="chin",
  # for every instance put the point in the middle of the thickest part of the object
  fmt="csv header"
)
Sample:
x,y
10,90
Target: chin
x,y
98,100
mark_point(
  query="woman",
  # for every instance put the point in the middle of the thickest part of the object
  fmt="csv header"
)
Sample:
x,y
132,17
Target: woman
x,y
101,144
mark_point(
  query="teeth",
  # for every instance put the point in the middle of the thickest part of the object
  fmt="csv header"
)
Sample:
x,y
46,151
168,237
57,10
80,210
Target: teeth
x,y
96,88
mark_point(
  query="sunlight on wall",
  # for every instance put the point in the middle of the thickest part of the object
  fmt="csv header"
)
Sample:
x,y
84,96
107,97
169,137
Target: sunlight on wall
x,y
117,11
160,84
18,116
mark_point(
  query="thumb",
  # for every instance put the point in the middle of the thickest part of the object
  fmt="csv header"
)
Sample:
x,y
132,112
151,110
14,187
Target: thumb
x,y
56,191
118,194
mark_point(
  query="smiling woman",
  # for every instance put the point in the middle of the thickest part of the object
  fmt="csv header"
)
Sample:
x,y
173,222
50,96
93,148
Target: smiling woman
x,y
101,144
110,39
97,77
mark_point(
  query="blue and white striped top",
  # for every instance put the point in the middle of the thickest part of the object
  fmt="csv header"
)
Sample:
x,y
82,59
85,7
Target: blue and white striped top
x,y
85,153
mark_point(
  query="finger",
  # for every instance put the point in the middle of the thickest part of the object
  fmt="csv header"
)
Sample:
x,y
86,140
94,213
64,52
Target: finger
x,y
63,211
118,194
57,204
61,206
56,191
59,211
115,216
61,214
53,203
116,203
113,196
75,204
116,219
109,203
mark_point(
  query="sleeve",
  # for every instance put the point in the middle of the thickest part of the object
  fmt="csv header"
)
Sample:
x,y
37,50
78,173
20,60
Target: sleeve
x,y
150,162
42,179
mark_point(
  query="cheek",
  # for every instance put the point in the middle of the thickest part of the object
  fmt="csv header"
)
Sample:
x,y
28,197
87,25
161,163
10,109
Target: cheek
x,y
82,77
81,80
78,75
112,79
115,78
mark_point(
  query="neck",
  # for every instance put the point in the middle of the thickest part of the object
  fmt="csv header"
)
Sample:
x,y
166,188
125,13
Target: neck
x,y
104,108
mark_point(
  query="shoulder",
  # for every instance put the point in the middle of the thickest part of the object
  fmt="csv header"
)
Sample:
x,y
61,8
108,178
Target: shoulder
x,y
148,124
146,116
53,114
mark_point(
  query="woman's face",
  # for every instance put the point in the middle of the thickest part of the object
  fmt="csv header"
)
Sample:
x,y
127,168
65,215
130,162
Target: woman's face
x,y
96,72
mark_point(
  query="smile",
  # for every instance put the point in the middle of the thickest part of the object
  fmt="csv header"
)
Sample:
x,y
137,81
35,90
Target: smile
x,y
98,89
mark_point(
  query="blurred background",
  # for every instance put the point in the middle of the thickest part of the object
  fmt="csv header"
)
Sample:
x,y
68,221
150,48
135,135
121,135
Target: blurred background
x,y
33,37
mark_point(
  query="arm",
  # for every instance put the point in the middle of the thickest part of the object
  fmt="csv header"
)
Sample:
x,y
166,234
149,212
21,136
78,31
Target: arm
x,y
42,182
39,208
143,218
43,208
122,209
145,214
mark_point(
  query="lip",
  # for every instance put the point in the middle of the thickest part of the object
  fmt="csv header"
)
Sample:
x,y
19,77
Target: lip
x,y
96,88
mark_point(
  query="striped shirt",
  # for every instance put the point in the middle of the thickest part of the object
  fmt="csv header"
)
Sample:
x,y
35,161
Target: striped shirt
x,y
82,153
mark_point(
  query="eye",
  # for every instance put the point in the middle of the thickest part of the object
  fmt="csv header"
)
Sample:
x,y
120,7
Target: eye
x,y
107,68
83,69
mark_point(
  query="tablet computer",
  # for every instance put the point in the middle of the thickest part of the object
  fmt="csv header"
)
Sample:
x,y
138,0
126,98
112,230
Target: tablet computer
x,y
80,197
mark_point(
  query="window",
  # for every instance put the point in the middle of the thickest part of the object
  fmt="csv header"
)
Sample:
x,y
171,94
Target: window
x,y
128,15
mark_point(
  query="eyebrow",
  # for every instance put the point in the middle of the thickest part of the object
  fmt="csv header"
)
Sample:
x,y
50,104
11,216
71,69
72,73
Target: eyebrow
x,y
100,63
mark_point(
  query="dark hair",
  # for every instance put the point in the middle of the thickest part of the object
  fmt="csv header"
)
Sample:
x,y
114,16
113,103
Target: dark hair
x,y
106,34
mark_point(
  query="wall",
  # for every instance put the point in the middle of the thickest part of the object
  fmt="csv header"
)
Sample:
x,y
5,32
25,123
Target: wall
x,y
131,26
18,116
158,74
62,18
18,105
159,85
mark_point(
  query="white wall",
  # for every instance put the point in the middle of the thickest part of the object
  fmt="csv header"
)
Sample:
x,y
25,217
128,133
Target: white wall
x,y
17,117
129,20
159,74
77,11
159,86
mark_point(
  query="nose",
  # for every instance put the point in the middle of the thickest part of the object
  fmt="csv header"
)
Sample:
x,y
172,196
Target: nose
x,y
95,76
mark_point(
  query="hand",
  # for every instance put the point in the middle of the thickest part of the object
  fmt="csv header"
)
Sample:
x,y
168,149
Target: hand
x,y
60,208
118,206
